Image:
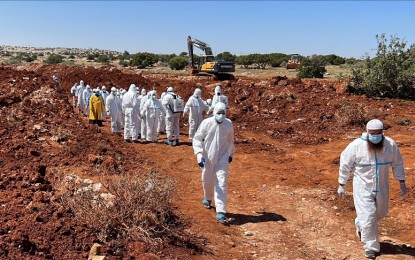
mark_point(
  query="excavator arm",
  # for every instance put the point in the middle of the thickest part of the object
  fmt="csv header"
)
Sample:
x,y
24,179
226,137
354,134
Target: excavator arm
x,y
199,44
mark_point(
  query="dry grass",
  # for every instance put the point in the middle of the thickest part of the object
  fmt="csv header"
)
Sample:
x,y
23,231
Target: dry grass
x,y
135,207
352,115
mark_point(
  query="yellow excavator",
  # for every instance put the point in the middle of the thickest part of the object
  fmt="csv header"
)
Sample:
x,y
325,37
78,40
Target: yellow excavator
x,y
294,62
206,65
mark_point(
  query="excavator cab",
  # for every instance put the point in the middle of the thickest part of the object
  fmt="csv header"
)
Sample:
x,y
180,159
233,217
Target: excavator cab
x,y
294,61
206,63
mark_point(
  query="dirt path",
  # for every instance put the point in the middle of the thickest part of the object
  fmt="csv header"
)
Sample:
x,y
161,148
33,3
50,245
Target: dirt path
x,y
282,198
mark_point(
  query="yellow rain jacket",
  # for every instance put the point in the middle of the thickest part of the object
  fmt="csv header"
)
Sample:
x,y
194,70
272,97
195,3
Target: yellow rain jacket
x,y
96,107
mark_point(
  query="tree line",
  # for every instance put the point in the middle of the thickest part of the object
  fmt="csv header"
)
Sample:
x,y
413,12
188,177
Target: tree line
x,y
390,74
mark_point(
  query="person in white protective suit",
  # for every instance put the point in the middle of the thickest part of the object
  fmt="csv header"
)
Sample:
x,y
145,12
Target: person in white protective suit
x,y
73,94
104,94
121,95
152,110
136,113
161,128
172,117
143,98
195,106
112,106
218,97
213,145
79,94
131,116
369,158
86,95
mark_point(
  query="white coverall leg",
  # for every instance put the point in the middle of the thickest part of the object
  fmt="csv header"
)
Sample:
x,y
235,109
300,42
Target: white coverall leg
x,y
176,125
161,127
144,128
118,122
169,127
152,127
128,128
214,182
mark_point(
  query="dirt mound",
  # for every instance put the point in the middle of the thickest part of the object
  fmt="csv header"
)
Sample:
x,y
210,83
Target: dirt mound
x,y
42,139
286,131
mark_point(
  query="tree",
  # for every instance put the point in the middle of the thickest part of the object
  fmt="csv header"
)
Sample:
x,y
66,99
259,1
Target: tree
x,y
390,73
125,56
178,63
244,60
333,59
54,59
277,59
143,59
165,58
312,67
226,56
261,60
103,59
183,54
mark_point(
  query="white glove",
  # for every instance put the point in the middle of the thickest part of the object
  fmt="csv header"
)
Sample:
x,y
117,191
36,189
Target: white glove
x,y
200,160
199,157
341,191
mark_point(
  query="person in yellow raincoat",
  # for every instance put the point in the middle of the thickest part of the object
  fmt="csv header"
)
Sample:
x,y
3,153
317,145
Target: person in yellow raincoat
x,y
96,107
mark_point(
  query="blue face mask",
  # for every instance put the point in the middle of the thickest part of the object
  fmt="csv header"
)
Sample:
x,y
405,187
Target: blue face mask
x,y
375,139
219,117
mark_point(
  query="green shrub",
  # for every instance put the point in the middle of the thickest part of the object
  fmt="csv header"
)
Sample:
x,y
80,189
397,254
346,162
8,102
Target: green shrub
x,y
14,61
312,67
90,57
178,63
390,73
124,63
103,59
54,59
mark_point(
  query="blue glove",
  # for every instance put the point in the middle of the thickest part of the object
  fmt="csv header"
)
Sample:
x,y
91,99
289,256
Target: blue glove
x,y
201,164
230,159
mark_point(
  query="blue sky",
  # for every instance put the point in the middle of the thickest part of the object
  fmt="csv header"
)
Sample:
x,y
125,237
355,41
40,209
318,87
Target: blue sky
x,y
345,28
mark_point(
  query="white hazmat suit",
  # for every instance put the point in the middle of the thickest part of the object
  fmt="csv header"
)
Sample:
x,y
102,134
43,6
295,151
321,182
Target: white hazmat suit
x,y
161,128
195,106
131,116
113,108
215,142
218,97
143,124
370,183
172,119
104,94
80,93
85,96
152,110
73,94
